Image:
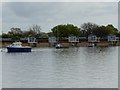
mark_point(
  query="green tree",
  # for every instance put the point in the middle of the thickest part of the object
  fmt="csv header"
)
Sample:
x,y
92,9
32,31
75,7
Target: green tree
x,y
112,29
118,34
65,30
15,33
88,28
104,31
28,33
101,31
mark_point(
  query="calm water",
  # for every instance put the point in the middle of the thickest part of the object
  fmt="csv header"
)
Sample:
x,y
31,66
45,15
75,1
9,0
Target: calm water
x,y
82,67
0,69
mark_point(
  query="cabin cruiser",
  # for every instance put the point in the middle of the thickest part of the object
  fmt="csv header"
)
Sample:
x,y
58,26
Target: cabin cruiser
x,y
17,47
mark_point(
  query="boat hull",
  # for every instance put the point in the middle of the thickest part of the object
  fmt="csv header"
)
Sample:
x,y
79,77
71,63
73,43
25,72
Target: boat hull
x,y
18,49
91,45
58,47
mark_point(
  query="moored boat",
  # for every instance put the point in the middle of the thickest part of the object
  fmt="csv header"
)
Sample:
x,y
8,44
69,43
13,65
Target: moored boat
x,y
17,47
91,45
58,46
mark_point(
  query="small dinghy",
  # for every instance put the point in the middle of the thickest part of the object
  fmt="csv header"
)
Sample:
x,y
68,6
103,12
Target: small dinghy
x,y
57,46
91,45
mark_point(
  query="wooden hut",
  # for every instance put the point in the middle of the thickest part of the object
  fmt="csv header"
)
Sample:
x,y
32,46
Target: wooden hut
x,y
73,40
32,41
52,40
93,40
112,39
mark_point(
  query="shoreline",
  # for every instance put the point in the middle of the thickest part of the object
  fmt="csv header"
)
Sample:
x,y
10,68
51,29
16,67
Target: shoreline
x,y
64,44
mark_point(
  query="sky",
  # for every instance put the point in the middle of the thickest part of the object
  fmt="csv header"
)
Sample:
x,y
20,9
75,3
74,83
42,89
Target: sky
x,y
49,14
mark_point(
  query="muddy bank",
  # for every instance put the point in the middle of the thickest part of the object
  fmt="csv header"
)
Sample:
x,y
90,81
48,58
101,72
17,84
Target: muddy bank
x,y
45,44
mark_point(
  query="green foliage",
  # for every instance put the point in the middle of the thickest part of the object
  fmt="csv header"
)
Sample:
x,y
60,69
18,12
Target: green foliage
x,y
28,33
44,35
88,28
118,34
112,29
104,31
15,31
101,31
15,34
65,30
4,35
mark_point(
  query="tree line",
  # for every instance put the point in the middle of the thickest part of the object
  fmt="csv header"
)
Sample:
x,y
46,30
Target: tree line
x,y
16,33
64,30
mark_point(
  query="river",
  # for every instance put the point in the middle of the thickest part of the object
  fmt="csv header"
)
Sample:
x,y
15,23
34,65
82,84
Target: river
x,y
83,67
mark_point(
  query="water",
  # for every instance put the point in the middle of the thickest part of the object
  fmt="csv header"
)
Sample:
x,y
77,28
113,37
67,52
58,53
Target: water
x,y
0,69
83,67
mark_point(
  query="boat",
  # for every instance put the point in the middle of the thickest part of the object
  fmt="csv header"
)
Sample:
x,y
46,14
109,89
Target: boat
x,y
17,47
58,46
91,45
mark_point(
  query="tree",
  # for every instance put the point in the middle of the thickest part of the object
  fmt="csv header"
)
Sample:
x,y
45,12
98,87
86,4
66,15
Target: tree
x,y
28,33
88,28
104,31
65,30
4,35
15,33
118,34
112,29
83,33
36,29
101,31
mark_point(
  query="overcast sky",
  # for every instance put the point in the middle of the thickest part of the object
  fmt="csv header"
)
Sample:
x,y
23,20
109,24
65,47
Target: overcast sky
x,y
50,14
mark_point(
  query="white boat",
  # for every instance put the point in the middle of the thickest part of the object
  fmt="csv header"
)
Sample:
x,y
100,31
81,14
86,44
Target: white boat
x,y
91,45
57,46
17,47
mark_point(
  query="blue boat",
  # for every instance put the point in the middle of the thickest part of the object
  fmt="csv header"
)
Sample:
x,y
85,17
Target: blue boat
x,y
17,47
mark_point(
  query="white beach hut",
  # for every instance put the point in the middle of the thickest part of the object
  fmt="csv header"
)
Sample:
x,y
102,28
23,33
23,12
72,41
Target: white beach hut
x,y
73,40
112,39
32,41
93,40
52,40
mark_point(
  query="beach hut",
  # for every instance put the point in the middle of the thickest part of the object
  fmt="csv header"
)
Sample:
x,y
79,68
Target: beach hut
x,y
73,40
93,40
32,41
52,40
112,39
